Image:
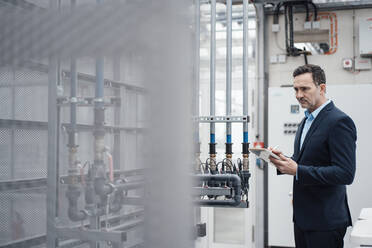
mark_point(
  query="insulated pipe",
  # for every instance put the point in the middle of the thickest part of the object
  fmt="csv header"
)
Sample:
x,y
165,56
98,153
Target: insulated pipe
x,y
228,73
72,132
213,70
99,114
212,144
245,151
235,183
245,68
73,93
100,186
97,172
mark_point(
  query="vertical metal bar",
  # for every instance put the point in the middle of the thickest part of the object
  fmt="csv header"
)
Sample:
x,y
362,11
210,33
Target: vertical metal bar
x,y
213,70
99,138
12,152
116,148
73,94
245,68
99,79
98,122
12,130
197,70
228,66
261,176
51,198
58,125
73,89
136,125
196,96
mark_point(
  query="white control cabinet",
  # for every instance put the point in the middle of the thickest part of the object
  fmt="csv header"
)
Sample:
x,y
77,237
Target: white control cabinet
x,y
355,100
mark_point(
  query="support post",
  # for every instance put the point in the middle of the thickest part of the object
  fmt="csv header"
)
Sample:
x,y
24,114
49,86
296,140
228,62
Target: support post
x,y
51,199
261,176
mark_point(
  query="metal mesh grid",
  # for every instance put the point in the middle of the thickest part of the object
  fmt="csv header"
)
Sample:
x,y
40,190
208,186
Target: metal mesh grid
x,y
128,150
5,154
27,75
5,102
22,214
129,102
30,149
142,114
30,103
109,112
6,75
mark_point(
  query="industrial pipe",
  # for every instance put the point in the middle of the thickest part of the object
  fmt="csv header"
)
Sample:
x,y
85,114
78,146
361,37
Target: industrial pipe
x,y
212,144
231,179
98,172
245,143
121,188
73,194
100,186
73,191
228,76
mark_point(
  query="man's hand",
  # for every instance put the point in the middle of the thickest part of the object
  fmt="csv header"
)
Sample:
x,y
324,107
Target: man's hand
x,y
285,165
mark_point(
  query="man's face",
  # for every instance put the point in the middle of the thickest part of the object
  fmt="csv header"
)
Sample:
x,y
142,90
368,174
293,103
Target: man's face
x,y
309,95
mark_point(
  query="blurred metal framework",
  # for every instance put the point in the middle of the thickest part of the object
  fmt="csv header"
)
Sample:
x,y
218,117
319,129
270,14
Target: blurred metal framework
x,y
49,181
53,126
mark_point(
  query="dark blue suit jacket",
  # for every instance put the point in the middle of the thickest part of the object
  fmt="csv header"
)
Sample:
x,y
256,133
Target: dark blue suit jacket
x,y
326,164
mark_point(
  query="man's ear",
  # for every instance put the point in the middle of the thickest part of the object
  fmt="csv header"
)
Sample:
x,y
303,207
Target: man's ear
x,y
323,88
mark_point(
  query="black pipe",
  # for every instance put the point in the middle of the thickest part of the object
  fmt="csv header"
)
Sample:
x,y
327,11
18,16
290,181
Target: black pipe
x,y
73,194
305,55
235,183
101,187
117,203
89,188
291,39
315,10
212,148
307,11
276,13
229,148
286,30
245,147
121,191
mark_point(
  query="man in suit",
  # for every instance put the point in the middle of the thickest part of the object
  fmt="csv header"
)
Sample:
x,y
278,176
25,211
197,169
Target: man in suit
x,y
322,164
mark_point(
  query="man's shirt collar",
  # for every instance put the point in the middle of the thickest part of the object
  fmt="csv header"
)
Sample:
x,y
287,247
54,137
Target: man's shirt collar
x,y
311,116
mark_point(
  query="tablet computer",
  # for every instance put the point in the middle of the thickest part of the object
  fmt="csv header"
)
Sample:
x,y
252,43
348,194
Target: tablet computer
x,y
264,154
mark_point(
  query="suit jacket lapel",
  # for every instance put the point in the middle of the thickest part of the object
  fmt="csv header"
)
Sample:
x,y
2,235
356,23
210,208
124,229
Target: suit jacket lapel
x,y
298,138
315,125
